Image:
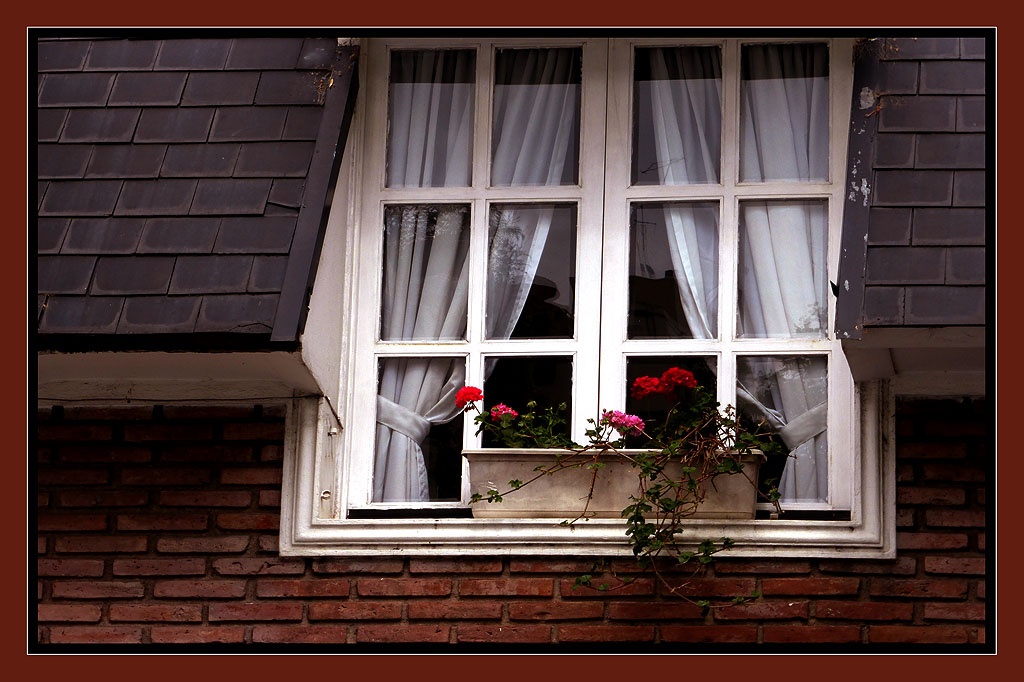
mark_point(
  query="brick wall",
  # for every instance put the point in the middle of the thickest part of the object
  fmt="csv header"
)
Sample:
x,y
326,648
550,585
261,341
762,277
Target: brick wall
x,y
158,525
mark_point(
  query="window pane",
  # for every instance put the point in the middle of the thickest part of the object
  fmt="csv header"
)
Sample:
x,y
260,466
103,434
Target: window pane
x,y
536,125
677,115
430,118
782,269
515,381
790,393
425,274
531,270
419,429
784,113
673,270
654,408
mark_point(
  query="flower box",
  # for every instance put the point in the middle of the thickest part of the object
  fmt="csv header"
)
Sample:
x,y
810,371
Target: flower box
x,y
562,494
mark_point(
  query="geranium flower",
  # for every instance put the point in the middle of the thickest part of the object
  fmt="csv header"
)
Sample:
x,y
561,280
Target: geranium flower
x,y
466,395
623,423
500,410
675,377
645,386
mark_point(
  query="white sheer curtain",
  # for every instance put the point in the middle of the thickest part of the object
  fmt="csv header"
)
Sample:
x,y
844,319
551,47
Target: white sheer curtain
x,y
784,119
426,246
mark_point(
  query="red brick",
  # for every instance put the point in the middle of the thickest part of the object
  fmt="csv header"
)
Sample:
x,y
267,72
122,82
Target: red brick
x,y
506,587
107,455
954,565
403,633
195,566
954,612
677,609
217,544
709,634
637,588
715,587
271,453
917,634
605,633
248,521
404,587
48,522
258,431
112,589
253,476
455,566
269,498
810,586
863,610
959,518
95,634
812,634
942,589
259,566
763,609
71,613
930,496
358,565
454,610
552,611
322,587
355,610
953,472
187,634
205,498
921,450
203,452
69,568
151,522
69,432
904,565
100,545
553,565
257,611
761,568
168,431
504,634
906,518
211,412
300,634
104,498
164,476
199,589
108,413
934,541
189,613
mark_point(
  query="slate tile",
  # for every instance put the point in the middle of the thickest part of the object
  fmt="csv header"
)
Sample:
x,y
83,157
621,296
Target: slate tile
x,y
174,125
279,211
949,226
889,226
264,53
80,197
255,235
156,197
159,315
158,88
50,234
287,193
953,77
247,123
883,305
210,274
951,151
179,235
965,265
317,53
64,274
100,125
62,160
291,87
122,55
905,265
199,160
970,114
227,196
41,187
193,53
274,159
103,235
132,275
220,88
898,78
49,123
945,305
895,150
936,113
913,188
246,313
926,48
303,123
74,89
969,188
126,161
61,55
972,48
81,315
267,273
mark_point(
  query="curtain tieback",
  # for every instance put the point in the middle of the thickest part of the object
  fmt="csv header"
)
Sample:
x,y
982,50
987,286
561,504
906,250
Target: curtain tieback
x,y
402,419
805,427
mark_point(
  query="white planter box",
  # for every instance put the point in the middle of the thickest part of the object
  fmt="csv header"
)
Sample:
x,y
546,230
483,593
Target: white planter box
x,y
563,494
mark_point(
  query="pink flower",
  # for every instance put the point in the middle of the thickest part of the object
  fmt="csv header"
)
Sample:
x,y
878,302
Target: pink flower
x,y
500,410
623,423
466,395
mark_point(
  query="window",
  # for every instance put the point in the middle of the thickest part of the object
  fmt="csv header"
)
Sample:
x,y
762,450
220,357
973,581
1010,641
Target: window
x,y
549,219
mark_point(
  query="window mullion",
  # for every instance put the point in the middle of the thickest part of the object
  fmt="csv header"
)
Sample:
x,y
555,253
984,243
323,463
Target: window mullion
x,y
728,243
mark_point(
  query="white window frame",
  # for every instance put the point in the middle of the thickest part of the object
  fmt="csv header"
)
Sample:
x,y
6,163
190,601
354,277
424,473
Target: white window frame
x,y
322,479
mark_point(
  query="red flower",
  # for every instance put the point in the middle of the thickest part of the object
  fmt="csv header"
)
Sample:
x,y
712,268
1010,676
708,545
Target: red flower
x,y
645,386
466,395
675,377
